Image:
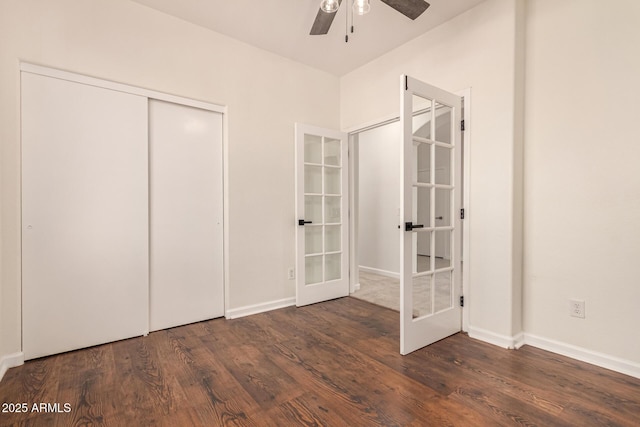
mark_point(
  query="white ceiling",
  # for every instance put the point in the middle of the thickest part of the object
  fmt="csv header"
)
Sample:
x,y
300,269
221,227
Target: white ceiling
x,y
282,27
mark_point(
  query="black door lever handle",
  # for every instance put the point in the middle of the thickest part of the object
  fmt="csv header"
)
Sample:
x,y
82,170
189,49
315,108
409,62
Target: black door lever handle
x,y
303,222
408,226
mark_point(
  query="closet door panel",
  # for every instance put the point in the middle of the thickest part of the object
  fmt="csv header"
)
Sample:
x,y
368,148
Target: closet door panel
x,y
84,215
186,213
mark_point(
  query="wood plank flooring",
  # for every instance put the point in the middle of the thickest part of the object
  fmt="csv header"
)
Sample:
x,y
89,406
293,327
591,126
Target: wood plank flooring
x,y
330,364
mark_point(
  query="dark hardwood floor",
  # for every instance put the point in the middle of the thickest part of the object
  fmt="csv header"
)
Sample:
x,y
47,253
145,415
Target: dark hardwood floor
x,y
333,364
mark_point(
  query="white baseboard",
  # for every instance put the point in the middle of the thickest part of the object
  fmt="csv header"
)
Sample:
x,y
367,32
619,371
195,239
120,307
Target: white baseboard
x,y
519,340
379,271
602,360
503,341
623,366
235,313
10,361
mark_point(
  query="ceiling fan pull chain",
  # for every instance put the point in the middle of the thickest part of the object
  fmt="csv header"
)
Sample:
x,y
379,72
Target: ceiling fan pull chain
x,y
352,16
346,24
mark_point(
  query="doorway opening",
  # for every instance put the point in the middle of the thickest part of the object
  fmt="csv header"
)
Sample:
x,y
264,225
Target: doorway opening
x,y
375,206
421,217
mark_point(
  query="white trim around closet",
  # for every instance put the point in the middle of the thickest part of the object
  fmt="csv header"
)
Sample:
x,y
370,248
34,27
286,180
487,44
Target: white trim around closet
x,y
107,84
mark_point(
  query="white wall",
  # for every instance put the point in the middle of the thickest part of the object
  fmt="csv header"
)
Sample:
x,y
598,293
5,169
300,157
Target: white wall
x,y
126,42
379,198
477,50
582,174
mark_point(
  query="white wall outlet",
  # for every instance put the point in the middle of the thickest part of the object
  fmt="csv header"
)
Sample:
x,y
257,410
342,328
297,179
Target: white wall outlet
x,y
576,308
291,273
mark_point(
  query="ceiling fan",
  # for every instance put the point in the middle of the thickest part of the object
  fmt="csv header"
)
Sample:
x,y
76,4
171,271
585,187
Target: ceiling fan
x,y
409,8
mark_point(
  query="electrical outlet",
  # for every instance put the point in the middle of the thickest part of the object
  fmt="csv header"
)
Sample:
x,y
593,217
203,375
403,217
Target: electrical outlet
x,y
291,273
576,308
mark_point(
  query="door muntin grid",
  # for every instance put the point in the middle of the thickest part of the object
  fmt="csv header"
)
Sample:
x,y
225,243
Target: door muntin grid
x,y
433,193
323,206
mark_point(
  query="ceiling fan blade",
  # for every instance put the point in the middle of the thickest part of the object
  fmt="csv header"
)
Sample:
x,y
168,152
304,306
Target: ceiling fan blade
x,y
409,8
323,22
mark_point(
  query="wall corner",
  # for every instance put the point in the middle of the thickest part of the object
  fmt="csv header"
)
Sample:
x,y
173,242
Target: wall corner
x,y
517,196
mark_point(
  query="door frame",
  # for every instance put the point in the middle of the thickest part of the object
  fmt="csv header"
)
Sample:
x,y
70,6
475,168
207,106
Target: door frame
x,y
352,132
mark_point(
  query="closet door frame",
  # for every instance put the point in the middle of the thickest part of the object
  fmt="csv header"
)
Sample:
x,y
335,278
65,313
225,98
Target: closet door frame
x,y
121,87
151,94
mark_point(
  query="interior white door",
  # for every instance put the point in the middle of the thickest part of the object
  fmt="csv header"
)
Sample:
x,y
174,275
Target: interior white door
x,y
429,286
322,245
186,214
84,215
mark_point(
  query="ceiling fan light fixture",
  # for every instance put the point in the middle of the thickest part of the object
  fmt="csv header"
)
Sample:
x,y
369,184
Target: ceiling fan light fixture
x,y
329,6
361,7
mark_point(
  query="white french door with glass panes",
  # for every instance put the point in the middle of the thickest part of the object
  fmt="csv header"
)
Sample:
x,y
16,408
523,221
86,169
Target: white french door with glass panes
x,y
430,181
322,245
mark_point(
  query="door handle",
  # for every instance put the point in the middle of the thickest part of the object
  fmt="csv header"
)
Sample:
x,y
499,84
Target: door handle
x,y
438,217
303,222
408,226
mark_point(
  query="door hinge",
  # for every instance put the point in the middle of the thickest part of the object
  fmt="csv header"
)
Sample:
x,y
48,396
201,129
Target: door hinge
x,y
461,300
462,125
406,83
462,213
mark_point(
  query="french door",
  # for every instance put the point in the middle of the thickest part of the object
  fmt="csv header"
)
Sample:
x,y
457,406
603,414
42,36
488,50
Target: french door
x,y
430,200
322,245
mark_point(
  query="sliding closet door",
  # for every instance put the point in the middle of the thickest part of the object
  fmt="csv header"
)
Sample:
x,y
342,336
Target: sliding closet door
x,y
84,215
186,241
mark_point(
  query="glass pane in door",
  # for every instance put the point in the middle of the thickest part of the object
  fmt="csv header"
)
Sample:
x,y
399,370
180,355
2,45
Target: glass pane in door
x,y
422,261
443,291
312,239
443,123
313,149
421,117
332,150
422,206
332,209
443,207
332,267
443,248
313,269
312,179
313,209
332,181
443,165
332,238
421,296
422,153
